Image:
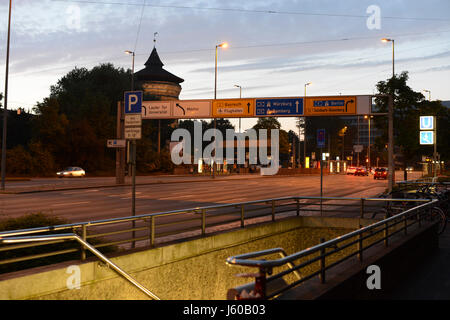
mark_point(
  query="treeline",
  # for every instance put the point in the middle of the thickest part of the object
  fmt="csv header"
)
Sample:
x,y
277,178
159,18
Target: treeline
x,y
70,127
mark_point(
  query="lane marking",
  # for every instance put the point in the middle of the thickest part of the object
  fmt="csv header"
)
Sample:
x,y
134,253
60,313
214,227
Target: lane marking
x,y
69,203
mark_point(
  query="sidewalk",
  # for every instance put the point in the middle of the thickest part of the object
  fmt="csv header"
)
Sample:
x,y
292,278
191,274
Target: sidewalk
x,y
431,279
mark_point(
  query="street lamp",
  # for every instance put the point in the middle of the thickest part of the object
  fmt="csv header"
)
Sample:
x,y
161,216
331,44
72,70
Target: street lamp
x,y
133,157
368,148
304,130
343,130
429,94
240,97
391,40
132,68
5,110
223,45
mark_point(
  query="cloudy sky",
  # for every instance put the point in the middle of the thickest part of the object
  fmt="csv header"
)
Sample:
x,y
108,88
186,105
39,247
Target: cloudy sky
x,y
275,47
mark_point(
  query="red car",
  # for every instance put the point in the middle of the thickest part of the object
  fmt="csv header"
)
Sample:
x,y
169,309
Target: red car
x,y
380,173
361,172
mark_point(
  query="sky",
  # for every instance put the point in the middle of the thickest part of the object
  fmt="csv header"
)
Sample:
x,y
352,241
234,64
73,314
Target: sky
x,y
275,47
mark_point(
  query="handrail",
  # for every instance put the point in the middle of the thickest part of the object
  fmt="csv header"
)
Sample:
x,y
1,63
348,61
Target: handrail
x,y
72,236
242,211
181,211
242,258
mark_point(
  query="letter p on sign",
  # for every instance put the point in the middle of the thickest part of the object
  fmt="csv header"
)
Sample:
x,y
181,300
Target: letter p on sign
x,y
133,101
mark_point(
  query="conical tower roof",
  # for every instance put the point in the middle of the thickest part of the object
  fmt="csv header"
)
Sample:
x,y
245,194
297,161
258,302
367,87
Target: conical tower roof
x,y
154,71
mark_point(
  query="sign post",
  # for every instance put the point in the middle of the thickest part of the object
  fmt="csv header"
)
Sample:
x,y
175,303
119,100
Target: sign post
x,y
428,136
133,131
321,144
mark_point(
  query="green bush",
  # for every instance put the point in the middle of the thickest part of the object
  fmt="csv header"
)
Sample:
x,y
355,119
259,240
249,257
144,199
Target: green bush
x,y
36,220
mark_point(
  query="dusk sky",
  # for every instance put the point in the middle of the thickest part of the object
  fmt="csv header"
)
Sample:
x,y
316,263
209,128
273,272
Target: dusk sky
x,y
275,47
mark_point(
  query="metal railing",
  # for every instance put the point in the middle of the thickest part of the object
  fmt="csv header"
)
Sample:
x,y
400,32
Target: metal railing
x,y
163,227
71,236
318,254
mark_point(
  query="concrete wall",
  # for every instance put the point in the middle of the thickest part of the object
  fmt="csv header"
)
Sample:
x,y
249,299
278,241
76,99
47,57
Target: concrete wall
x,y
187,270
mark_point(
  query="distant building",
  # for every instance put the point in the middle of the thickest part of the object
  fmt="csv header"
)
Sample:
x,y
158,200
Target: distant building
x,y
157,82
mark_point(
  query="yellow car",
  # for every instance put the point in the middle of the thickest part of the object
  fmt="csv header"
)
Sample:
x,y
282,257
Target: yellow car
x,y
71,172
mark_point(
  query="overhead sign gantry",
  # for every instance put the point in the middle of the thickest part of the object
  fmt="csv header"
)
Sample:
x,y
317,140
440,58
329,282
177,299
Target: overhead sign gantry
x,y
258,107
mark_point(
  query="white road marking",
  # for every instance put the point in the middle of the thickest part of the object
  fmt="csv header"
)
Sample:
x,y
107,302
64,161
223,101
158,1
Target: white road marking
x,y
69,203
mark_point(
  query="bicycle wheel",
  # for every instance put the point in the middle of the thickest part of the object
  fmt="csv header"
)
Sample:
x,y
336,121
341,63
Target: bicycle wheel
x,y
437,214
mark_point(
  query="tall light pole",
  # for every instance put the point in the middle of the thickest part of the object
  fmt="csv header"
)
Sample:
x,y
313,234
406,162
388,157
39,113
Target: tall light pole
x,y
5,110
304,130
133,157
132,67
429,94
368,148
393,60
222,45
240,97
344,130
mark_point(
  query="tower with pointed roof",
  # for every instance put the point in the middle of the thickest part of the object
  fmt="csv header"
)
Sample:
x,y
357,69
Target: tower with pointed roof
x,y
157,82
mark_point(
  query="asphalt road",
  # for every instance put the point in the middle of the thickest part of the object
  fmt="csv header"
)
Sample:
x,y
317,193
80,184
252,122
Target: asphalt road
x,y
97,203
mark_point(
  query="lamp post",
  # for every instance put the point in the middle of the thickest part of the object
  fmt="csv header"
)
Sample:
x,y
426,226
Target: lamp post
x,y
133,158
222,45
304,129
344,130
5,110
240,97
368,148
132,67
391,40
429,94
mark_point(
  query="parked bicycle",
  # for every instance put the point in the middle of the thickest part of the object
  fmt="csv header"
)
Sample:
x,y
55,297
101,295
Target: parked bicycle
x,y
431,190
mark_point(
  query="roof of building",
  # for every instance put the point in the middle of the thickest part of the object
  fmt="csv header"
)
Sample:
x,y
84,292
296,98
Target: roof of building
x,y
154,71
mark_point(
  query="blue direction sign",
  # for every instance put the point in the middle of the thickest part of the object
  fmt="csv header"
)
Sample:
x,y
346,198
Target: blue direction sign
x,y
426,137
279,107
320,138
133,102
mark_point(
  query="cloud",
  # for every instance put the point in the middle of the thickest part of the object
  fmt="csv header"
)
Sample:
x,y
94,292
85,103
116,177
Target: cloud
x,y
268,52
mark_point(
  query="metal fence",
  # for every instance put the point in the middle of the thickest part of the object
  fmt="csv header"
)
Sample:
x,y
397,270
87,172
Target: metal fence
x,y
355,243
149,230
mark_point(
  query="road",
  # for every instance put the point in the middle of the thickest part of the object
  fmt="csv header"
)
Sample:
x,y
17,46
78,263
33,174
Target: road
x,y
97,203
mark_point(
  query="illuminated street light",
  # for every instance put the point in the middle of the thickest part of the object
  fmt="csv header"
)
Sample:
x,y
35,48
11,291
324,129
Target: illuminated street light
x,y
223,45
368,149
304,128
391,40
132,68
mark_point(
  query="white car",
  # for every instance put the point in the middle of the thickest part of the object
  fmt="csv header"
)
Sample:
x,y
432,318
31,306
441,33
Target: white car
x,y
351,170
71,172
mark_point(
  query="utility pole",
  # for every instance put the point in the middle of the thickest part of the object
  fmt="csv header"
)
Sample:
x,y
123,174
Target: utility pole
x,y
5,110
391,164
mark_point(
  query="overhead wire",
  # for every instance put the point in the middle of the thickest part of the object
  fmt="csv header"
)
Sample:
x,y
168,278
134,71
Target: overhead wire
x,y
250,10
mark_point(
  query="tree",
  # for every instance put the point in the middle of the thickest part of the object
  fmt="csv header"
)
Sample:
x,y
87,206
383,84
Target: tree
x,y
271,123
408,106
75,121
